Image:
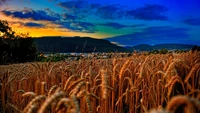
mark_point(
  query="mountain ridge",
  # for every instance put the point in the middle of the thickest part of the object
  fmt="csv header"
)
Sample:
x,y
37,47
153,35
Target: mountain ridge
x,y
59,44
169,46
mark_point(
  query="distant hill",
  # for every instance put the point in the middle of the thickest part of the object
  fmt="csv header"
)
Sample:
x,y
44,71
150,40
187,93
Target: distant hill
x,y
75,44
146,47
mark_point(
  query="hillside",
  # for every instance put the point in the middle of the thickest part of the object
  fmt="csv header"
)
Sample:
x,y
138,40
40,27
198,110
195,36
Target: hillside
x,y
146,47
75,44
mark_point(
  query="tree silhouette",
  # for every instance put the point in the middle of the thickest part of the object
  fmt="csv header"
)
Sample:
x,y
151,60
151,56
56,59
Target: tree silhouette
x,y
15,47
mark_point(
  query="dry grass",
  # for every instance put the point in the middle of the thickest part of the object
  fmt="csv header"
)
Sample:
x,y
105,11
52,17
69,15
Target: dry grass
x,y
137,84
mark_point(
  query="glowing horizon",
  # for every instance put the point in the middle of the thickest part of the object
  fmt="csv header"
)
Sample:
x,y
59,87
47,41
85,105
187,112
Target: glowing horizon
x,y
42,32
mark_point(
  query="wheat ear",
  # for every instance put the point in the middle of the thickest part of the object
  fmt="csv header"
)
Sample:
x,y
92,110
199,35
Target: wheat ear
x,y
63,101
77,88
142,67
27,94
33,101
49,101
31,108
51,90
104,83
123,68
74,83
43,88
76,103
89,107
172,83
197,66
68,80
81,93
178,103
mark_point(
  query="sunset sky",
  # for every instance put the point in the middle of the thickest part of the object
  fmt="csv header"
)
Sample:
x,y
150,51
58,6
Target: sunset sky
x,y
124,22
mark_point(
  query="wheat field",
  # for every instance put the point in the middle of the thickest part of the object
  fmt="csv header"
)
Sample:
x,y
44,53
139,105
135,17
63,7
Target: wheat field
x,y
168,83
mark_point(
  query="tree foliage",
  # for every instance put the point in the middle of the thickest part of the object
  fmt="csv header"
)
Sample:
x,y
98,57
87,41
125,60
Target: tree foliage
x,y
163,51
195,48
15,47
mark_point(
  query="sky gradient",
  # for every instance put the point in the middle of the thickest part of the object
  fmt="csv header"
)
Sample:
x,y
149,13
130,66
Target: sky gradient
x,y
123,22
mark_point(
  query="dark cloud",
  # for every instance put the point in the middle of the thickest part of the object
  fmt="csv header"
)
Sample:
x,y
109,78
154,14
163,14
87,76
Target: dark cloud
x,y
70,17
32,24
3,2
95,6
192,21
27,13
78,7
138,25
165,30
83,9
114,25
84,27
50,12
66,20
110,11
149,12
119,26
70,5
154,35
114,11
46,15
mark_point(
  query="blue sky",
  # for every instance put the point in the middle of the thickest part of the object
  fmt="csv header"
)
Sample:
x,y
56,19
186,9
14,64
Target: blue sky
x,y
123,22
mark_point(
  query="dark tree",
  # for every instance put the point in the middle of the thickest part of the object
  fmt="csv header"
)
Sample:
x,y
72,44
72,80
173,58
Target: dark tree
x,y
163,51
15,47
195,48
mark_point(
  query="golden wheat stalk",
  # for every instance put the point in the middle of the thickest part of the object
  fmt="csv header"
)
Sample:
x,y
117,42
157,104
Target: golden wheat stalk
x,y
14,107
171,80
89,106
167,75
77,88
51,69
123,68
68,80
33,101
31,109
194,68
20,91
174,80
142,67
181,102
37,85
76,103
158,111
98,108
90,73
81,93
142,104
29,94
63,101
51,90
74,84
104,83
93,95
43,88
49,101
